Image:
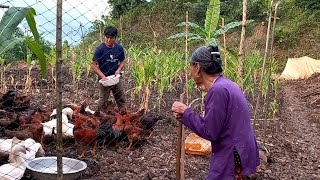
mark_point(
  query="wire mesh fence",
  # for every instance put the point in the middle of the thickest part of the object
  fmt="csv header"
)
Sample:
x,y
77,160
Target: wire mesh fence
x,y
116,120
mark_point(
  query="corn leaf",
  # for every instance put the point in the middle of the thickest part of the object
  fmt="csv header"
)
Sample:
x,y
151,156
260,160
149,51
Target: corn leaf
x,y
32,23
35,47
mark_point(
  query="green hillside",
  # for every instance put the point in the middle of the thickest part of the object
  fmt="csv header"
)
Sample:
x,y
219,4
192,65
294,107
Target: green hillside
x,y
150,23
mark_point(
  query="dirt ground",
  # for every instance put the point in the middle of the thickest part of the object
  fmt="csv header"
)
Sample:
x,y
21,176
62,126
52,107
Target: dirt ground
x,y
292,140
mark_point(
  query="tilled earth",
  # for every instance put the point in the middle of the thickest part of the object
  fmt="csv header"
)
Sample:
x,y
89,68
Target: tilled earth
x,y
292,140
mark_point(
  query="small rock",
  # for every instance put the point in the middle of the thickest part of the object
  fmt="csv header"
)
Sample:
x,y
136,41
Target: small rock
x,y
263,157
268,171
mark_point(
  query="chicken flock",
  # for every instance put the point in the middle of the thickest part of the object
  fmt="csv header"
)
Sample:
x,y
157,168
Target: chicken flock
x,y
88,128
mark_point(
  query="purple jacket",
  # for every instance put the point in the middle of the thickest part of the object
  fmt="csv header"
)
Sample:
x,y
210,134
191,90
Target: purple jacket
x,y
227,125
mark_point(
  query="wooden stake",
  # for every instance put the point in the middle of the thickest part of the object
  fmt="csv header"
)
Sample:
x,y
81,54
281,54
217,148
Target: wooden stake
x,y
181,132
243,32
58,90
269,74
225,49
186,58
263,64
180,152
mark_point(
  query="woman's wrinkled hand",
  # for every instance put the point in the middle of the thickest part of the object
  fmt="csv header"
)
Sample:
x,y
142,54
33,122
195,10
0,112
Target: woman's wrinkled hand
x,y
178,109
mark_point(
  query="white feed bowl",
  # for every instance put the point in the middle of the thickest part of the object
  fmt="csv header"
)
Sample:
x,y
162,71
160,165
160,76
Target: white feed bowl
x,y
112,80
45,168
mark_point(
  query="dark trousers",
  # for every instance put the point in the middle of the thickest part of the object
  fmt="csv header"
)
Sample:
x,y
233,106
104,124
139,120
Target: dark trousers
x,y
104,93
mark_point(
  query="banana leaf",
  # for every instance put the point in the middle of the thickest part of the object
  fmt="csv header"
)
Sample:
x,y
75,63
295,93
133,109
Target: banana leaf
x,y
212,18
179,35
229,26
10,21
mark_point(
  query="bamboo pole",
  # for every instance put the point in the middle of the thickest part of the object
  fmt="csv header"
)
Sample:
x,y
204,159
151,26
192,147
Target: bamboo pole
x,y
241,46
263,65
225,48
180,155
269,73
182,159
58,90
186,58
181,132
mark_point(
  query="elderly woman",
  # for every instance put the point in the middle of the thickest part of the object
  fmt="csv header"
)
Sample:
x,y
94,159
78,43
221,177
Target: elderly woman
x,y
226,122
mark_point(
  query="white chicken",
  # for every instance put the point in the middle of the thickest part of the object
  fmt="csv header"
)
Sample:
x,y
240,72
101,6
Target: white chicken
x,y
33,148
15,169
67,111
67,129
87,109
52,124
5,147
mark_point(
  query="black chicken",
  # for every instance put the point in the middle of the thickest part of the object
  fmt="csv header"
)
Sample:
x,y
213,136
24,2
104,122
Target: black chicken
x,y
12,102
148,122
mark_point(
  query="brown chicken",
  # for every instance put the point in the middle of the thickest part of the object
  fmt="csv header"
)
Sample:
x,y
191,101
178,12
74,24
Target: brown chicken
x,y
35,127
119,125
10,121
26,117
133,133
37,132
41,116
85,132
133,127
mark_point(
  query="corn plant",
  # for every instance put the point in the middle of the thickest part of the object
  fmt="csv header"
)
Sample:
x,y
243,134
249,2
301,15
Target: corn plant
x,y
251,72
51,58
169,66
31,63
274,106
251,66
154,69
3,87
77,66
137,67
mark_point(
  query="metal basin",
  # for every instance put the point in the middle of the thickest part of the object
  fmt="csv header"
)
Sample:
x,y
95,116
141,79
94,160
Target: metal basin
x,y
46,168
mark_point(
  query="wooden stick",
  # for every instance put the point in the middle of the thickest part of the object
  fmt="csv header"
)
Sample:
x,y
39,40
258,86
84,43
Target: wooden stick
x,y
263,64
241,46
181,134
266,108
59,147
180,155
182,148
186,58
225,49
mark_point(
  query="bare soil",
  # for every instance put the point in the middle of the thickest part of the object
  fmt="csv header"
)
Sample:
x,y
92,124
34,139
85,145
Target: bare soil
x,y
292,139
